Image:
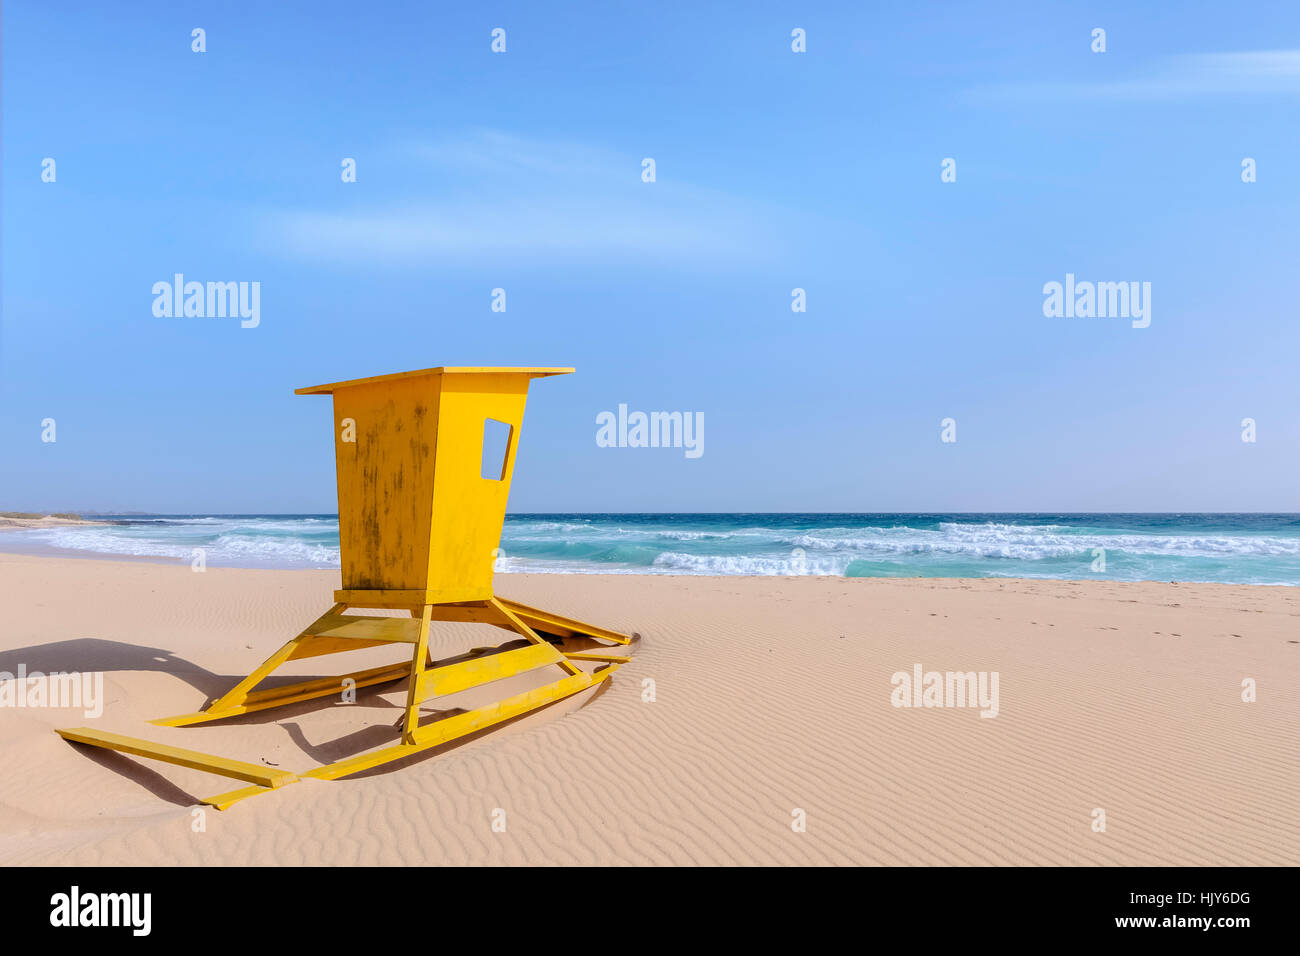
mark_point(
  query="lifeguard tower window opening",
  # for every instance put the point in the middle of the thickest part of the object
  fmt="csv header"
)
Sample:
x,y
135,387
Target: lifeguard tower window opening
x,y
496,445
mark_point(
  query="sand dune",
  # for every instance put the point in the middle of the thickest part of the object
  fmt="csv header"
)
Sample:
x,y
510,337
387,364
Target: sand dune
x,y
771,695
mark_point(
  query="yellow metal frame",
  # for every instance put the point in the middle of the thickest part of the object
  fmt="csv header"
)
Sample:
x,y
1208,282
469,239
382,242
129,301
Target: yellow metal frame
x,y
335,632
418,529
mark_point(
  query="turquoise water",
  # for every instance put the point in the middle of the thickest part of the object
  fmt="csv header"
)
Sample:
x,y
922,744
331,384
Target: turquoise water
x,y
1237,548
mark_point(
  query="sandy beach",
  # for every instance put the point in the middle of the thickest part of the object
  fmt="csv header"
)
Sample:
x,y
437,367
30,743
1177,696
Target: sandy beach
x,y
771,696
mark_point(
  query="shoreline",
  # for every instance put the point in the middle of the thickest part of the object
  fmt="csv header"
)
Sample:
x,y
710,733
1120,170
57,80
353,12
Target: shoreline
x,y
1218,548
770,694
49,553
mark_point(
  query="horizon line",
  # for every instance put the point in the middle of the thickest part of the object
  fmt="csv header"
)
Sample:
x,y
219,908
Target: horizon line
x,y
334,514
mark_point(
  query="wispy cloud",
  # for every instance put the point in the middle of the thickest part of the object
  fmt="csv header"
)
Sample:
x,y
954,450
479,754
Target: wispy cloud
x,y
541,200
501,153
1251,73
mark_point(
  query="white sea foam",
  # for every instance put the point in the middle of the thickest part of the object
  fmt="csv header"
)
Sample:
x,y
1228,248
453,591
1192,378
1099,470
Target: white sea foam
x,y
232,548
1032,542
742,564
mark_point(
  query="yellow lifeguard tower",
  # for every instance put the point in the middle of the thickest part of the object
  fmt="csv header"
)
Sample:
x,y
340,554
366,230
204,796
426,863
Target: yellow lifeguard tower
x,y
424,464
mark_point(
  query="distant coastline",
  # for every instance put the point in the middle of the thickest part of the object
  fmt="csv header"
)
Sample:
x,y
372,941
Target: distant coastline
x,y
24,519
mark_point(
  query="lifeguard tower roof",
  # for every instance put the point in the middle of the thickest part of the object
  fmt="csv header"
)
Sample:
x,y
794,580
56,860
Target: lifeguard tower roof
x,y
530,371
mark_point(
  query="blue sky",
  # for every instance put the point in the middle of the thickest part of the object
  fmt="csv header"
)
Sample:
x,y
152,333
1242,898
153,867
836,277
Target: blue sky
x,y
774,170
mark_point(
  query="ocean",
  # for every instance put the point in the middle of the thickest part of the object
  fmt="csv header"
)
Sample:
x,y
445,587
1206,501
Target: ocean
x,y
1233,548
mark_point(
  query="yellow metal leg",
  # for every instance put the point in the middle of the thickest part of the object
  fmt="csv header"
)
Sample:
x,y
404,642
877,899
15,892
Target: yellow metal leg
x,y
331,633
240,690
292,694
572,669
418,661
560,625
602,658
440,732
266,777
